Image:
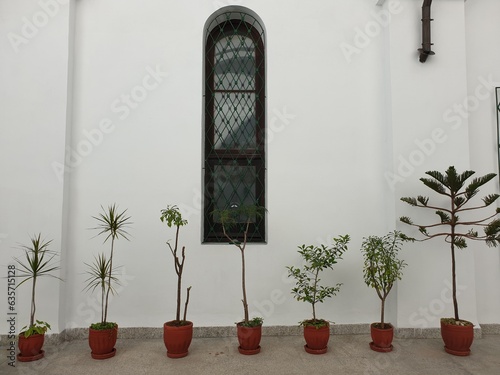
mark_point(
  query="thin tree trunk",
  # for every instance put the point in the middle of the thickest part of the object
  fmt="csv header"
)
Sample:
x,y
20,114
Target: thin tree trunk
x,y
453,273
33,306
382,308
454,282
314,295
109,278
243,284
186,304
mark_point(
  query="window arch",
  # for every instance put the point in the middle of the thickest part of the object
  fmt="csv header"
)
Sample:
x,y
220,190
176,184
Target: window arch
x,y
235,117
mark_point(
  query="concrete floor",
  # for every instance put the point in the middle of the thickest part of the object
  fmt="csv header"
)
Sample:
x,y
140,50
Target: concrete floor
x,y
347,354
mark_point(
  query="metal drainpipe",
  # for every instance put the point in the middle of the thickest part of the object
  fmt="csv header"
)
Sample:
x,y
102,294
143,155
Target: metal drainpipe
x,y
426,49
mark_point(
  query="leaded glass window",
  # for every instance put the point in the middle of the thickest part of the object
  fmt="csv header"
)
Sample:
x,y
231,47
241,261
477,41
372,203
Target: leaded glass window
x,y
234,121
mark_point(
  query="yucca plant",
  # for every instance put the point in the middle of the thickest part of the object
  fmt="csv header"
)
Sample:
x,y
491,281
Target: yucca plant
x,y
458,192
173,217
37,262
242,217
99,277
112,225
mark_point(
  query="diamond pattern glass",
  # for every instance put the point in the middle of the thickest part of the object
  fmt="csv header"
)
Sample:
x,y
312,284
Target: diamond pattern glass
x,y
234,120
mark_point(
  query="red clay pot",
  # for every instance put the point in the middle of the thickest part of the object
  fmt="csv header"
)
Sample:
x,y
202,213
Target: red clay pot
x,y
457,339
382,338
249,339
30,347
316,339
177,338
102,342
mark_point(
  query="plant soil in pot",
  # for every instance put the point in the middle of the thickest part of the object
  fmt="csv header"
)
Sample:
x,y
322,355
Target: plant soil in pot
x,y
456,192
316,337
249,336
177,334
102,342
30,347
308,289
457,336
381,337
177,338
381,269
240,217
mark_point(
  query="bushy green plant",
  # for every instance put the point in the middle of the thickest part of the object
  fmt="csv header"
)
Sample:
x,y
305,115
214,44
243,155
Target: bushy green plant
x,y
381,267
229,218
112,225
450,226
37,262
173,217
307,282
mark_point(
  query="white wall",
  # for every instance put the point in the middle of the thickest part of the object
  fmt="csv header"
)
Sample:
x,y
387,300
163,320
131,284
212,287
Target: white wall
x,y
33,90
343,109
483,72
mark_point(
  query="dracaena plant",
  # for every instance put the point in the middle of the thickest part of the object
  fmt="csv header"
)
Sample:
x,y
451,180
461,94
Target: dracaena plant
x,y
38,261
241,217
112,225
458,192
307,281
173,217
381,267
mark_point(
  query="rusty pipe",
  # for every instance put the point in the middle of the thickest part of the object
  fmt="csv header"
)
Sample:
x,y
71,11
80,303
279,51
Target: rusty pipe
x,y
426,49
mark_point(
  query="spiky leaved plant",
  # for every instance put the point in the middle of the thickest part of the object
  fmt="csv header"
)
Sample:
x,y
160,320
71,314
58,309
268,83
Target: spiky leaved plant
x,y
112,224
381,267
100,277
246,215
37,263
173,217
450,226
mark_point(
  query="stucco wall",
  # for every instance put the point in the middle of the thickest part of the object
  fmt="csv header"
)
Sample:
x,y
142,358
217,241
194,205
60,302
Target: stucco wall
x,y
353,121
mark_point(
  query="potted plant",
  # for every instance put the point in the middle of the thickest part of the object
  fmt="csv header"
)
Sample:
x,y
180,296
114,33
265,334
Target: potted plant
x,y
103,335
308,289
177,334
37,262
381,269
249,330
457,333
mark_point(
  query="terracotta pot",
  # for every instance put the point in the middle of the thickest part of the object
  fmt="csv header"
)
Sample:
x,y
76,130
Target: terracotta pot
x,y
382,338
249,339
457,339
316,339
30,347
102,342
177,338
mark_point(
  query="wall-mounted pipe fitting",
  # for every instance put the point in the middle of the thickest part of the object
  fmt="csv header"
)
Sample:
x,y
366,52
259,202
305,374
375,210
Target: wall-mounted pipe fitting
x,y
426,49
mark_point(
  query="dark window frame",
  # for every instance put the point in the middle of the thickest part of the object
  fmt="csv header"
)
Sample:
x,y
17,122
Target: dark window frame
x,y
212,231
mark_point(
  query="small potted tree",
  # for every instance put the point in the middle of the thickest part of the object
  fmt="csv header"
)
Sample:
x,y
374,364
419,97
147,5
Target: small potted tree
x,y
249,330
38,262
103,335
308,289
381,269
177,334
457,334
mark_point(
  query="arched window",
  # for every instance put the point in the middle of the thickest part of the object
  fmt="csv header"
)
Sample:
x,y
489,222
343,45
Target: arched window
x,y
235,117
